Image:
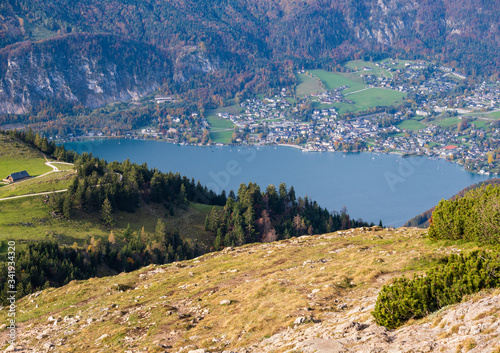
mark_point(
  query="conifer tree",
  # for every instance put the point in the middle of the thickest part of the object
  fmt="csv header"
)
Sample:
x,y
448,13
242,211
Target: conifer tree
x,y
106,213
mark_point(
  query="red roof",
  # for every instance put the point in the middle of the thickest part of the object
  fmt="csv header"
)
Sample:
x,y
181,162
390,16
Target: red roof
x,y
450,147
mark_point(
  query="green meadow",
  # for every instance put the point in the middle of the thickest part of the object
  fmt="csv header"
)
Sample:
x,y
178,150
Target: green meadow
x,y
30,219
307,85
362,97
412,125
50,182
15,156
448,122
221,136
370,98
333,80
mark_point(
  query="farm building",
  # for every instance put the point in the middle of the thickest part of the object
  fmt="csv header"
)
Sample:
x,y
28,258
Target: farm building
x,y
17,176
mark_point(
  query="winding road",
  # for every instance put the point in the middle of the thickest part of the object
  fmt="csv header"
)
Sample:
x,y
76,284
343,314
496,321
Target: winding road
x,y
54,170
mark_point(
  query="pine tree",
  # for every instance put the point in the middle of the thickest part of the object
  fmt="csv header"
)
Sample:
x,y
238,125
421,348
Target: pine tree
x,y
106,213
127,234
218,241
67,206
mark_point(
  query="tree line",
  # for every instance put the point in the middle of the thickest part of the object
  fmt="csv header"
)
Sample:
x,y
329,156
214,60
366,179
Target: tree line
x,y
270,215
40,265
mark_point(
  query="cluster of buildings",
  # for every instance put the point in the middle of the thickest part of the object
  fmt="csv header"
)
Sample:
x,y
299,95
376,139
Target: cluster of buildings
x,y
436,92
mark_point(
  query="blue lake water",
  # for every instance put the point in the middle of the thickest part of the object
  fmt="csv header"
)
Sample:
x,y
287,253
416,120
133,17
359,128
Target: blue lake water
x,y
370,186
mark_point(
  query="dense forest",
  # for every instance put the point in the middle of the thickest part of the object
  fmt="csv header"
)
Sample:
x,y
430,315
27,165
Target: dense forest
x,y
310,30
210,52
267,216
104,188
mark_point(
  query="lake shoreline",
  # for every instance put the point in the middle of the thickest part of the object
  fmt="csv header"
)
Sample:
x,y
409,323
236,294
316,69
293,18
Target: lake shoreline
x,y
302,148
371,186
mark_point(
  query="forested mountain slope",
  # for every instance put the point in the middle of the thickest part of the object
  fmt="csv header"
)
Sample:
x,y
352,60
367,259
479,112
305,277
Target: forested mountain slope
x,y
247,38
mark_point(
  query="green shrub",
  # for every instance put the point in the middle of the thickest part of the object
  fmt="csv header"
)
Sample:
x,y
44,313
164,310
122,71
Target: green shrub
x,y
447,284
473,217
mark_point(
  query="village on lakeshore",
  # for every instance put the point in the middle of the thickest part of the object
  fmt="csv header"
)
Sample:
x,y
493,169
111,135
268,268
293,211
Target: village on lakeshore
x,y
391,106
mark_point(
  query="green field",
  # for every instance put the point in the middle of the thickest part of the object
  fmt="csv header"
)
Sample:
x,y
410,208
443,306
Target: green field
x,y
493,115
480,124
218,123
333,80
15,156
363,97
358,65
221,136
370,98
63,166
49,182
448,122
307,86
34,166
28,219
411,125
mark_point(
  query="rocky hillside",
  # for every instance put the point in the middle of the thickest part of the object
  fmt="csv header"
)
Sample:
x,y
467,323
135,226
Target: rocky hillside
x,y
238,38
307,294
87,69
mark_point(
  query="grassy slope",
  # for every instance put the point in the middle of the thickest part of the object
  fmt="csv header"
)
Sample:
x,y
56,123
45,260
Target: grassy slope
x,y
370,98
334,80
49,182
269,285
218,124
307,85
411,125
30,219
448,122
16,156
363,98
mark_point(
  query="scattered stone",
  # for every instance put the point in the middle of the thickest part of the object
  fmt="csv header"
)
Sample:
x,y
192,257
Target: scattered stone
x,y
321,346
341,306
354,326
49,345
299,320
102,337
225,302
